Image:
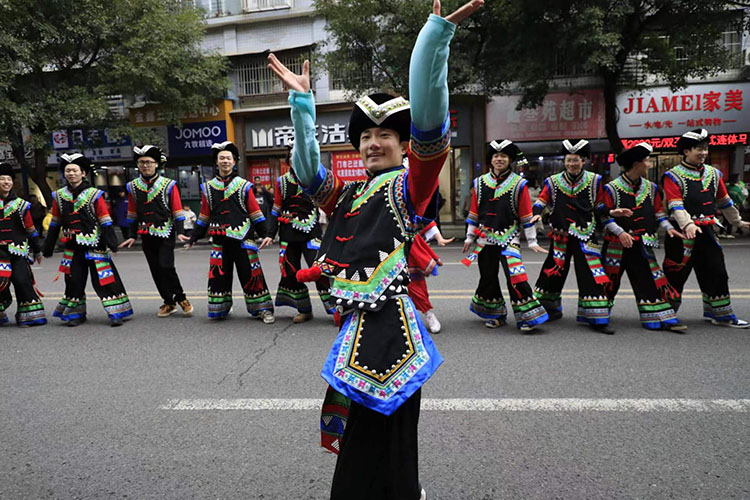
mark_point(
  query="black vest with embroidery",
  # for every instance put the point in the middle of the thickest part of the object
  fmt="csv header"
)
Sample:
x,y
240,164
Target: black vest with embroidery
x,y
367,242
152,206
641,202
230,215
698,188
573,205
78,216
298,220
498,207
12,230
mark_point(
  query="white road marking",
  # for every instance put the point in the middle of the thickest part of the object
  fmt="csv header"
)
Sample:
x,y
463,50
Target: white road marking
x,y
572,405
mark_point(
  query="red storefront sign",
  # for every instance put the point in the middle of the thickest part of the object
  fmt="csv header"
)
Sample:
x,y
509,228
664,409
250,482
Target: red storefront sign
x,y
562,115
348,167
262,170
657,111
671,142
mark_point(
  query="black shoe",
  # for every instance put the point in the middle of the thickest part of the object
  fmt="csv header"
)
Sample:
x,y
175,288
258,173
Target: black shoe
x,y
554,315
76,321
115,322
605,329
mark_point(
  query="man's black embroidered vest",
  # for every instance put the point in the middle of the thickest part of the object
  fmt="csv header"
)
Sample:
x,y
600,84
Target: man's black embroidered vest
x,y
12,230
229,212
152,206
573,211
497,206
638,199
78,215
699,187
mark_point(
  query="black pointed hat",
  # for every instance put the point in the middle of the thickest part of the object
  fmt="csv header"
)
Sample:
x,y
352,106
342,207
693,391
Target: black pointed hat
x,y
581,148
150,151
691,139
628,157
7,169
76,159
380,110
503,146
218,147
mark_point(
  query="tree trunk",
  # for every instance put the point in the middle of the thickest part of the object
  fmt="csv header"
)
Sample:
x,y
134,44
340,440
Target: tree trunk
x,y
611,112
38,174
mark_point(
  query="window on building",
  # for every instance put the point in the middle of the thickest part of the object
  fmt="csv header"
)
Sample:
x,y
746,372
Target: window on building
x,y
731,40
362,73
254,78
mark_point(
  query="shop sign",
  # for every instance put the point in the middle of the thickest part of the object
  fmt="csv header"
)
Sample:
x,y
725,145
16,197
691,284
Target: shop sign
x,y
95,144
658,111
195,139
348,166
262,170
562,115
152,115
331,129
671,142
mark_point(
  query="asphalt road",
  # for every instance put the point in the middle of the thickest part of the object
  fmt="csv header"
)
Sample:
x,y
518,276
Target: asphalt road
x,y
89,412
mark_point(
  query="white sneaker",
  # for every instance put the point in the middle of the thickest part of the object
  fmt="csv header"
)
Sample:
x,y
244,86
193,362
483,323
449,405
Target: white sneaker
x,y
735,323
267,317
423,494
431,321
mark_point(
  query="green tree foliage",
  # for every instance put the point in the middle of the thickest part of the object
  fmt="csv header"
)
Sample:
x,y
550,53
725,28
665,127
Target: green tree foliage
x,y
521,45
63,57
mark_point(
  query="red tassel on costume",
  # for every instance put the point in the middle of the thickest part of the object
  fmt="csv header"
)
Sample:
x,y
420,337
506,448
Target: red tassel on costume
x,y
309,274
553,271
337,319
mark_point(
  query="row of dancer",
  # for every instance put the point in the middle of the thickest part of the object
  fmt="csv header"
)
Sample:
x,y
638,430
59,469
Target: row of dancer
x,y
630,209
229,214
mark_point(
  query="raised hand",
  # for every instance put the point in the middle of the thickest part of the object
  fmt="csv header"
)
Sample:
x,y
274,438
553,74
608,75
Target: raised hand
x,y
293,81
462,13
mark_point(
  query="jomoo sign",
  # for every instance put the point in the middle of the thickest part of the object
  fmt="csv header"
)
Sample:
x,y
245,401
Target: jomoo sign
x,y
657,112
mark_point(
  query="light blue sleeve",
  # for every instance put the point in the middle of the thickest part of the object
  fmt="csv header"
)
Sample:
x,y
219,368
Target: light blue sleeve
x,y
428,74
306,153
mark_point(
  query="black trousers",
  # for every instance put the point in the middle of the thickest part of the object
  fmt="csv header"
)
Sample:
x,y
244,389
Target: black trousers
x,y
29,310
293,293
378,459
159,254
703,254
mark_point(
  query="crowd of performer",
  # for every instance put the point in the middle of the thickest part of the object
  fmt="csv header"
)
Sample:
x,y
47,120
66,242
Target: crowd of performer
x,y
370,265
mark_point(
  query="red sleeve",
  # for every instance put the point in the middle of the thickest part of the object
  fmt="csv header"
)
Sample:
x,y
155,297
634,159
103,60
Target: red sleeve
x,y
28,224
100,206
131,207
205,214
424,172
544,196
525,211
175,201
55,208
607,201
673,194
721,190
256,215
600,191
277,197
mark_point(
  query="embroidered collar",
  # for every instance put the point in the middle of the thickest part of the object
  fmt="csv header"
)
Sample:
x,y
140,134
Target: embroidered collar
x,y
372,175
697,168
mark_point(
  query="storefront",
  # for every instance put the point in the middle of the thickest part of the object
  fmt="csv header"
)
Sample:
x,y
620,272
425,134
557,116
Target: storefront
x,y
540,131
187,147
659,116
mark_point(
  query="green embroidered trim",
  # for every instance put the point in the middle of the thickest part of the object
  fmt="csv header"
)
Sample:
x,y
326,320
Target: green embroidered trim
x,y
706,177
12,207
114,301
238,233
586,180
501,239
155,189
234,186
384,274
544,295
488,304
84,198
365,191
582,234
643,190
90,239
653,307
21,250
508,184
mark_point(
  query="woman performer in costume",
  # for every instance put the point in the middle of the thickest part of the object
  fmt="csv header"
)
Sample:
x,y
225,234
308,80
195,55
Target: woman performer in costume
x,y
229,213
695,193
633,212
383,353
19,245
500,203
296,217
87,236
573,194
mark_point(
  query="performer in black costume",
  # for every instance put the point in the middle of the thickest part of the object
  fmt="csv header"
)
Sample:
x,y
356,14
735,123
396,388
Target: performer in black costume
x,y
79,210
19,246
